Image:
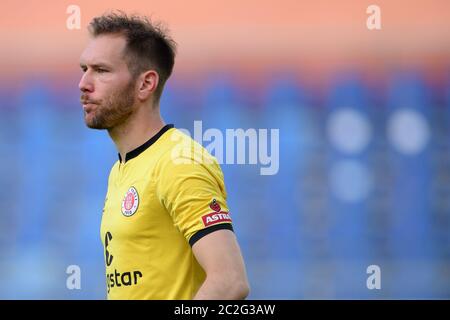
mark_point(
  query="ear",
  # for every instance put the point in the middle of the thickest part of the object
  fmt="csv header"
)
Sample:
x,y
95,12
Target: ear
x,y
148,82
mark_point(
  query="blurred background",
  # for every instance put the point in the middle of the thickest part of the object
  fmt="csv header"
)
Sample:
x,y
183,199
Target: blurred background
x,y
364,120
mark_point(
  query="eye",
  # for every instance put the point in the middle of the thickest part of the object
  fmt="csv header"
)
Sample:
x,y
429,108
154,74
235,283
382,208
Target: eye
x,y
102,70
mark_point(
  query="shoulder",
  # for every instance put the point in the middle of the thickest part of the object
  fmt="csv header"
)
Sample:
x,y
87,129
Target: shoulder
x,y
181,150
185,159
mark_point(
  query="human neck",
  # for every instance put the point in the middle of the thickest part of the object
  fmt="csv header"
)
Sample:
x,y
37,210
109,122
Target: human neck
x,y
136,130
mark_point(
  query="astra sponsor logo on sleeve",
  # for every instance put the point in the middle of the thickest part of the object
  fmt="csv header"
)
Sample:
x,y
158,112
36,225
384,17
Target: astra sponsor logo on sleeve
x,y
217,216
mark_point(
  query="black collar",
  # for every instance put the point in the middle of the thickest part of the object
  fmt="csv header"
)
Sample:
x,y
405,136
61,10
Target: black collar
x,y
134,153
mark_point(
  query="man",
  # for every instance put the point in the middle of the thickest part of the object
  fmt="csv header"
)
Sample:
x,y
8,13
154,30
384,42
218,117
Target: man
x,y
166,229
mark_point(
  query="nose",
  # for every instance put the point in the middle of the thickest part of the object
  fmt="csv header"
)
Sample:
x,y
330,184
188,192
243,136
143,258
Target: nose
x,y
86,84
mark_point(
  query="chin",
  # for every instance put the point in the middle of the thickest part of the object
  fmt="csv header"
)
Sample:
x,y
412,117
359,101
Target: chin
x,y
99,126
92,124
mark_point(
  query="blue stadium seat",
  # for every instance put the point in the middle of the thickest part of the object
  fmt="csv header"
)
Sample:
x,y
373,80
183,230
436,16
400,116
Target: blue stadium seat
x,y
410,230
348,216
410,220
287,107
36,159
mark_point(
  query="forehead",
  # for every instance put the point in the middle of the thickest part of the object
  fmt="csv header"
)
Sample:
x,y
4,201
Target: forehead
x,y
107,48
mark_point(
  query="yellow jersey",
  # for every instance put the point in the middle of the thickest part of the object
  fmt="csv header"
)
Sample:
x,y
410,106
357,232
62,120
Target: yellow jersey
x,y
165,196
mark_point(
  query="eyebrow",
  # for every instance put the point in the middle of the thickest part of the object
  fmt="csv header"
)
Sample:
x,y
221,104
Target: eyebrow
x,y
95,65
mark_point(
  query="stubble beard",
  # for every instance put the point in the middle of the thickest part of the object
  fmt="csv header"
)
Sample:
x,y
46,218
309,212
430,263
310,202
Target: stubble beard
x,y
112,111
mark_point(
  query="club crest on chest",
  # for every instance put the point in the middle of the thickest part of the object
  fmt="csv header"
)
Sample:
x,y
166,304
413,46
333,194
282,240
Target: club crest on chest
x,y
130,202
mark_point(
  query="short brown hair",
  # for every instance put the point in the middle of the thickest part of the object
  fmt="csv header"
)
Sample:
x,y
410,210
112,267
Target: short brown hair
x,y
148,45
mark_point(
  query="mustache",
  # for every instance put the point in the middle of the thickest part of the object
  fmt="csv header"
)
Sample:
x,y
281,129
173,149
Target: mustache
x,y
85,100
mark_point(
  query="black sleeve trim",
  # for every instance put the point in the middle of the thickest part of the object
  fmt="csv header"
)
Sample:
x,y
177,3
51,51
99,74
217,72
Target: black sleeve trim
x,y
201,233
